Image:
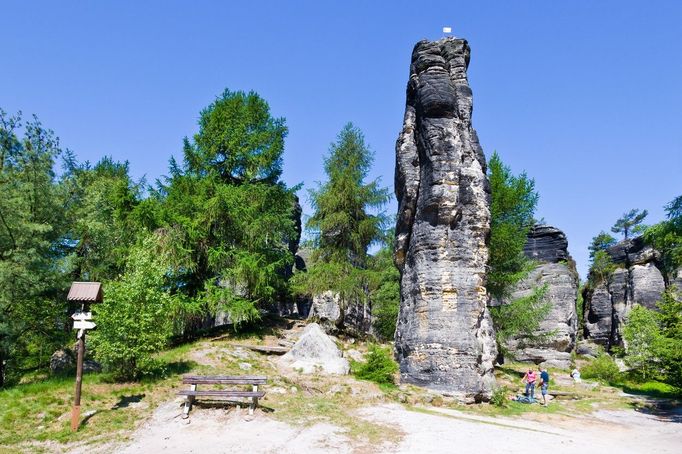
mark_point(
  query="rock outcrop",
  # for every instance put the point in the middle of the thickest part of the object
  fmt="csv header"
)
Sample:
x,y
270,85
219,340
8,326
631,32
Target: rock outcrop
x,y
638,279
315,352
557,332
354,319
444,338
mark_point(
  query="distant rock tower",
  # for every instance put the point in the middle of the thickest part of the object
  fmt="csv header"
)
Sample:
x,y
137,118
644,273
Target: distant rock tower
x,y
444,338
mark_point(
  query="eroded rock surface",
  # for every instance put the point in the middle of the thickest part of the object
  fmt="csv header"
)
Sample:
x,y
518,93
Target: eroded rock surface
x,y
444,337
637,280
557,332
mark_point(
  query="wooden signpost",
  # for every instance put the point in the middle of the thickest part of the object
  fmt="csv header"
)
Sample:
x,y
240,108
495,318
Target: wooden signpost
x,y
84,293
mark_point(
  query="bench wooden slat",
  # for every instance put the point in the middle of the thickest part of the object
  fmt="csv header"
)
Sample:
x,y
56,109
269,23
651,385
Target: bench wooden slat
x,y
222,393
226,380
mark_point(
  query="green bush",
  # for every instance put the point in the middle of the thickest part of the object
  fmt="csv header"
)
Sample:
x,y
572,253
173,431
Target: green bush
x,y
379,368
499,397
602,368
135,320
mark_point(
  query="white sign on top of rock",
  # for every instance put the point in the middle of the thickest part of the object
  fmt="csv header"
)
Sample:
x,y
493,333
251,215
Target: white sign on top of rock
x,y
315,352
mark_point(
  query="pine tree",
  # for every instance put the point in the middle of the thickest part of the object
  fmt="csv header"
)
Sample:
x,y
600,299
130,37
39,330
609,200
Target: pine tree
x,y
346,221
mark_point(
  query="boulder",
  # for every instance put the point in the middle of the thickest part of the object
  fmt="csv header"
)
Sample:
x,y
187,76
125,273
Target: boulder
x,y
62,361
315,352
444,338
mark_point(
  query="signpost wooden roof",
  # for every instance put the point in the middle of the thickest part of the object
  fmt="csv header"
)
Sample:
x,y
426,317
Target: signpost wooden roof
x,y
85,292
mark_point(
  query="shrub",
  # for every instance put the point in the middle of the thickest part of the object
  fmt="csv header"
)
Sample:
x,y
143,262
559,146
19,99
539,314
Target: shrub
x,y
135,320
499,397
379,368
602,368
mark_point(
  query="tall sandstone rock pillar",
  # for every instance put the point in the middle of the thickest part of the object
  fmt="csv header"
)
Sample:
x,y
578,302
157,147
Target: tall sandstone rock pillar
x,y
444,338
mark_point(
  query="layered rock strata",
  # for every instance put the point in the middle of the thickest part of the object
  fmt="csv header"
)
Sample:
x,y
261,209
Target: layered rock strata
x,y
444,338
637,280
556,335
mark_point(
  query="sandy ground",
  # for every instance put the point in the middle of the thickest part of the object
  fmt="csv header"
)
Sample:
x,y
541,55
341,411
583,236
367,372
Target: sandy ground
x,y
432,430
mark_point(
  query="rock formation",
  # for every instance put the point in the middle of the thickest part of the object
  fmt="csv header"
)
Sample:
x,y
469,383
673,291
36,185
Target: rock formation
x,y
444,339
354,319
637,280
549,247
315,352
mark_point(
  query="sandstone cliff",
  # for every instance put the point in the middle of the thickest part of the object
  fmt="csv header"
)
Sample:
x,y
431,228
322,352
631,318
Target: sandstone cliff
x,y
444,338
637,280
549,247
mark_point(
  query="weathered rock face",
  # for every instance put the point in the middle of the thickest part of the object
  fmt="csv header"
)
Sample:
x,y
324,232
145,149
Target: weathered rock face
x,y
637,280
444,337
354,319
315,352
548,246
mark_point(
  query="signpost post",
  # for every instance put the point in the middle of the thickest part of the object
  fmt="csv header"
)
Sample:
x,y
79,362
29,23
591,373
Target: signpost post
x,y
81,323
84,293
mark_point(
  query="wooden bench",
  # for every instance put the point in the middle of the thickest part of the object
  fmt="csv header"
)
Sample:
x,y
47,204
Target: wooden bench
x,y
194,380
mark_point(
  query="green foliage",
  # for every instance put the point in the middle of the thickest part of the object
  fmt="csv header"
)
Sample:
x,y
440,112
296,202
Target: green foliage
x,y
580,308
238,140
600,243
342,225
136,319
602,367
601,268
513,202
227,222
630,222
641,334
500,396
380,367
384,291
666,236
101,204
32,222
654,340
520,319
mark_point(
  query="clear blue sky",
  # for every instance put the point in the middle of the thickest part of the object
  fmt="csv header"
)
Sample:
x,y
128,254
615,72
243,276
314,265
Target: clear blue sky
x,y
586,96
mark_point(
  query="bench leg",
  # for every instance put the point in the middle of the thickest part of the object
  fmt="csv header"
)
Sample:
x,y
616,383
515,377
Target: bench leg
x,y
254,403
188,403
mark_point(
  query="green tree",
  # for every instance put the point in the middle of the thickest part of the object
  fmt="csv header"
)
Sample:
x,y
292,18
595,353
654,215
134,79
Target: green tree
x,y
100,208
238,139
384,289
136,318
666,236
513,202
642,336
346,221
226,220
630,222
601,268
601,242
32,283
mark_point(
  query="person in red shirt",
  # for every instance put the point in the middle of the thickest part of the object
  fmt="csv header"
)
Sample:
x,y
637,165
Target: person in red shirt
x,y
529,379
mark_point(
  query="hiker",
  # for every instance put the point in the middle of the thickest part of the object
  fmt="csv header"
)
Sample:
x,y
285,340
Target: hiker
x,y
529,380
544,384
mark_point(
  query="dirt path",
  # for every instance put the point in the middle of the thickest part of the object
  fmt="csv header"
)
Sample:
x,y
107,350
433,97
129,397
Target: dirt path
x,y
425,430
